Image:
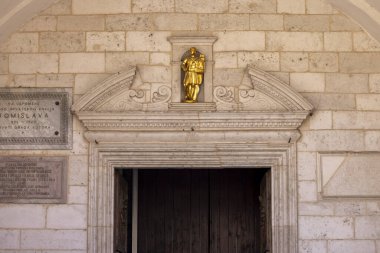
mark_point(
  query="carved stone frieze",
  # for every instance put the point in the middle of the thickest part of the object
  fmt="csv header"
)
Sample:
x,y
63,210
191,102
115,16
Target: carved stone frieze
x,y
267,94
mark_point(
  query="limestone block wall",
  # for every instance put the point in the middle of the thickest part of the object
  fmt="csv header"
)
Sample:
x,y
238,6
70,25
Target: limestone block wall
x,y
306,43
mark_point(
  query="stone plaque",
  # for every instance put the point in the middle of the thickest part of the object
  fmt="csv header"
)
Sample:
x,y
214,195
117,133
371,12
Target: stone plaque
x,y
355,175
33,179
35,118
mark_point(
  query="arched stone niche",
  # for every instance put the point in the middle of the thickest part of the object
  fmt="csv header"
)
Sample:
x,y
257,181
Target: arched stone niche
x,y
130,124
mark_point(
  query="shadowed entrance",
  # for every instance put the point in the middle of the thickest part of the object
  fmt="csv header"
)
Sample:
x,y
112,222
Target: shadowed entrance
x,y
197,211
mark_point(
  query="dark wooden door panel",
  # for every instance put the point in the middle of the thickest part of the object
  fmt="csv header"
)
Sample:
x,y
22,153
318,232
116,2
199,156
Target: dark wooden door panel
x,y
234,211
173,211
203,211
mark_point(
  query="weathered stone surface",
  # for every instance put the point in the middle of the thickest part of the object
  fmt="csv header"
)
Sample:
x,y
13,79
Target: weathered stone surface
x,y
234,41
62,41
84,82
54,239
41,23
363,42
353,208
78,170
316,209
215,22
308,82
351,246
372,141
55,80
175,22
370,102
323,62
33,63
60,8
80,23
306,23
338,41
307,165
291,6
356,120
367,227
312,246
77,195
4,63
266,61
266,22
343,23
252,6
9,239
294,62
307,191
105,41
119,61
22,216
79,63
155,74
290,41
354,175
21,43
228,77
321,120
148,41
373,207
101,7
201,6
24,80
225,60
326,227
369,62
331,140
347,83
152,6
374,82
318,7
331,101
160,59
130,22
66,217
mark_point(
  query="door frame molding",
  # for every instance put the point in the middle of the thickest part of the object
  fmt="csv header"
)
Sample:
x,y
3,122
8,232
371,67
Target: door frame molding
x,y
106,157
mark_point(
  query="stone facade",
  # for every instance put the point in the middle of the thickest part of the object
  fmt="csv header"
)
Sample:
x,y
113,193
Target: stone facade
x,y
307,44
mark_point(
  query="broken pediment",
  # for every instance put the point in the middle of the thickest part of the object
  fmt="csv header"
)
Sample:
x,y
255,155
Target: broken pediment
x,y
141,98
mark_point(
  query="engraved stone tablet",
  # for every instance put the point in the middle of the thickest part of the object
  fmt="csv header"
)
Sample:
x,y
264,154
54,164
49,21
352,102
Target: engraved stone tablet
x,y
35,118
33,179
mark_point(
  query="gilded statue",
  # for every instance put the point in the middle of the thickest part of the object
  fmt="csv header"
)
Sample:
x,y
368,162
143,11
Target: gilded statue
x,y
194,67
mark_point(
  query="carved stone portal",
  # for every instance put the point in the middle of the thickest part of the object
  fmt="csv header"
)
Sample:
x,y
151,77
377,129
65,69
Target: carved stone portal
x,y
131,124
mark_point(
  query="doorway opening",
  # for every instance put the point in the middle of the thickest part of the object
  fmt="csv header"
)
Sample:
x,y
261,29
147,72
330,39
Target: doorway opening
x,y
193,210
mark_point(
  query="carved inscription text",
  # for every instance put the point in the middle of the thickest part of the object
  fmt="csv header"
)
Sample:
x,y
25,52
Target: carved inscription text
x,y
29,119
32,179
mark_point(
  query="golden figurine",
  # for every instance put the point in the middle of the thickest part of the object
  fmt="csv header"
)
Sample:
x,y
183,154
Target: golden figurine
x,y
194,67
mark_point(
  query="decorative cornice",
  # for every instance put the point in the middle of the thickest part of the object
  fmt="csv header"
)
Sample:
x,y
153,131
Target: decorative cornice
x,y
278,90
269,105
202,121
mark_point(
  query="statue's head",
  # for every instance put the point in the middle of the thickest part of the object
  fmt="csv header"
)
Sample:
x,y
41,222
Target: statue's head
x,y
193,50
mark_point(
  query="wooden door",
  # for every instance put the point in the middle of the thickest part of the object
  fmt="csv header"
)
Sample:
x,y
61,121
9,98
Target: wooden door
x,y
200,211
234,211
173,211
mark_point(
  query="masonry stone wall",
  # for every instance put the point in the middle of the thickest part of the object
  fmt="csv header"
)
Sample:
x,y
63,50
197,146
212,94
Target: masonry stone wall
x,y
306,43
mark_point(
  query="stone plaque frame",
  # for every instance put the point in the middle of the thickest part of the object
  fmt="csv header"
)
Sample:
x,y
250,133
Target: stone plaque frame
x,y
63,140
59,197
